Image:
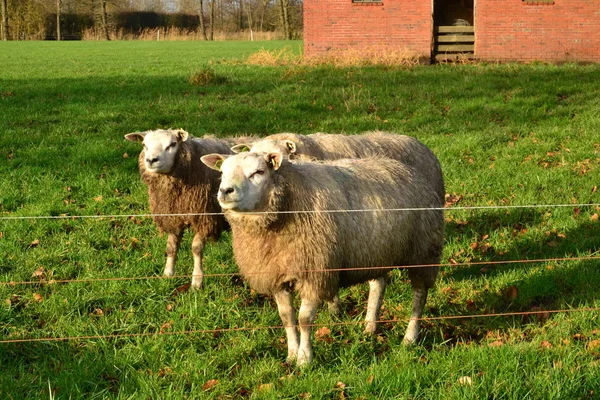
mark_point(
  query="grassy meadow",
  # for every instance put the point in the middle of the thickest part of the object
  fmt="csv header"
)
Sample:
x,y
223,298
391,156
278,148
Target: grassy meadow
x,y
506,135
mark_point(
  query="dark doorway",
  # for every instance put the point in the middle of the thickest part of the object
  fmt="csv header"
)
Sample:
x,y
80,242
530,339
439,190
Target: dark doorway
x,y
454,30
453,13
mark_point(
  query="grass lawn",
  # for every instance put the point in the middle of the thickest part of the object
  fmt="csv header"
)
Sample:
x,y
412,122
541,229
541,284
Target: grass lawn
x,y
506,135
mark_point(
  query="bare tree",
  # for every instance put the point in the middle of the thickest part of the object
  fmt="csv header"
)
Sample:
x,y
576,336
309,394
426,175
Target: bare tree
x,y
4,19
58,20
202,25
212,20
285,18
104,20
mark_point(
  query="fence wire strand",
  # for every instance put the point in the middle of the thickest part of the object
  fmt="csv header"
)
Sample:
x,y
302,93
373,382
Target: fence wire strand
x,y
231,274
273,327
451,208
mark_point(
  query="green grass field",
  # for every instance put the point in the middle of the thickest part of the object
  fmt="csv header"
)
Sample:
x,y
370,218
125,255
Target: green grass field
x,y
506,135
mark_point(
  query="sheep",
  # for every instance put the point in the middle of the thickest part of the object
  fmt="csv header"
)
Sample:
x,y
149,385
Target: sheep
x,y
321,146
315,252
178,183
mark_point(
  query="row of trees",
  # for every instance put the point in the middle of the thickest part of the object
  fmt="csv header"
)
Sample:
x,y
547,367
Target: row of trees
x,y
39,19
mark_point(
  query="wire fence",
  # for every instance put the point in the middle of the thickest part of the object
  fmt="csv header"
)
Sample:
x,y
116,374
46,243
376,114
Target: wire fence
x,y
451,208
43,280
273,327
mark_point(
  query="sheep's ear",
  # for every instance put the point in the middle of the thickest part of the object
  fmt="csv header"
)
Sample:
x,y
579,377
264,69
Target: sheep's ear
x,y
213,161
291,146
136,136
274,160
182,135
241,148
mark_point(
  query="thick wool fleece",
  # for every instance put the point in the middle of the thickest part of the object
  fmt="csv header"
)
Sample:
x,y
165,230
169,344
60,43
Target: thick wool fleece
x,y
305,251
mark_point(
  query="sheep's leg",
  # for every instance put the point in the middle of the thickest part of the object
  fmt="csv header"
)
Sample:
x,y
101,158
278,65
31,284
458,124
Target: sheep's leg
x,y
414,325
198,274
376,292
306,317
335,306
285,306
173,242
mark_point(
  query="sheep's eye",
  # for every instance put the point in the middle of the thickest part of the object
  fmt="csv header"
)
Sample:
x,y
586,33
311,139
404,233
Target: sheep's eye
x,y
258,172
173,144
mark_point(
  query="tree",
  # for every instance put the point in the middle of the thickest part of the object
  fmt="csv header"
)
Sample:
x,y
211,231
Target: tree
x,y
284,6
4,19
58,20
104,20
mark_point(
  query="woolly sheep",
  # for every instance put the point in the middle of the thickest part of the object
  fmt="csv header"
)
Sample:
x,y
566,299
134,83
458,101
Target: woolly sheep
x,y
279,253
178,183
321,146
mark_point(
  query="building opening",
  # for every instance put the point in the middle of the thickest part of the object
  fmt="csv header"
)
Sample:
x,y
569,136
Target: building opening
x,y
454,29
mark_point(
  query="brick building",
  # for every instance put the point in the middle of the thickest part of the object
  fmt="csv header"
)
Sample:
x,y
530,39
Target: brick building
x,y
492,30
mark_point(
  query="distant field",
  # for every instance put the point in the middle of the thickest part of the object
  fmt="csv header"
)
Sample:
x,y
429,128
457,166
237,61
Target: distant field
x,y
506,135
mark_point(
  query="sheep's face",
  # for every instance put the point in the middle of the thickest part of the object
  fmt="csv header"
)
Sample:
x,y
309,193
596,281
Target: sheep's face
x,y
160,148
246,179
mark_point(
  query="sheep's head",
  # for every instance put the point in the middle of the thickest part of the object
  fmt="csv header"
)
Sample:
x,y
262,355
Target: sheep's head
x,y
160,148
246,178
285,147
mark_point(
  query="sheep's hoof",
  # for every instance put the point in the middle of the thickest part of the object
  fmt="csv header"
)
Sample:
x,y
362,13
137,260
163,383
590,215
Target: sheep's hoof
x,y
291,359
169,272
370,328
335,308
196,285
407,341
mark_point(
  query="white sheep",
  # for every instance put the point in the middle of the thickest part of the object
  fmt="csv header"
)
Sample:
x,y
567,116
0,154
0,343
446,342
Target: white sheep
x,y
178,183
286,239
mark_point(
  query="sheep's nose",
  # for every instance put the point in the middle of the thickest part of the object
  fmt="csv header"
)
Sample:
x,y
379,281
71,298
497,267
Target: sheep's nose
x,y
151,160
225,191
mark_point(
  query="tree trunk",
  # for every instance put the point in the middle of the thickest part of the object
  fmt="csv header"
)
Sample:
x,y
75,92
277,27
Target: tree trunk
x,y
4,19
249,15
265,3
212,20
58,20
285,18
202,26
105,20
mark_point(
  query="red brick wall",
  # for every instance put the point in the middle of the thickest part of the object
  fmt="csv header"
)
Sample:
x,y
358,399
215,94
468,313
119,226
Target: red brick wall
x,y
341,24
568,30
505,30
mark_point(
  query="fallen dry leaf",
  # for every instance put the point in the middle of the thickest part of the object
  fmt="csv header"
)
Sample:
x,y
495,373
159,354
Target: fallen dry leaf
x,y
340,385
324,334
594,217
210,384
511,293
38,297
98,198
496,343
546,344
452,199
593,345
265,387
35,243
98,312
181,289
39,273
166,326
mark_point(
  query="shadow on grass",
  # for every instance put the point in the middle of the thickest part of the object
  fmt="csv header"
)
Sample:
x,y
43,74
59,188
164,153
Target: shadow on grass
x,y
539,286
